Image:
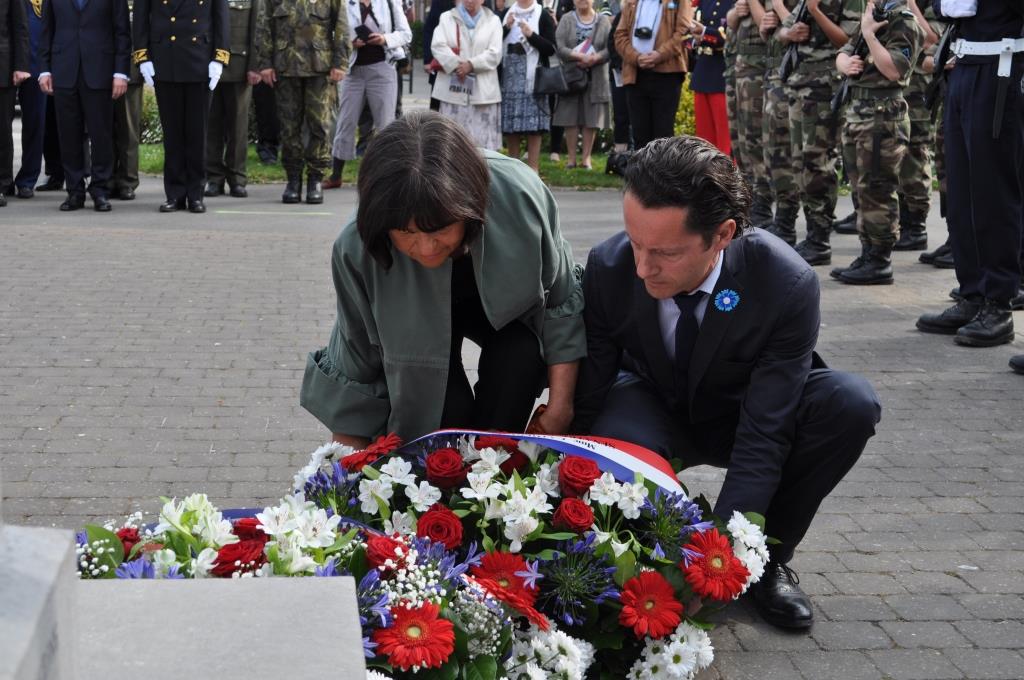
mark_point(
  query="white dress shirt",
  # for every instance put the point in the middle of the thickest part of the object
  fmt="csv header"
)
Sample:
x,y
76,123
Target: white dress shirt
x,y
668,310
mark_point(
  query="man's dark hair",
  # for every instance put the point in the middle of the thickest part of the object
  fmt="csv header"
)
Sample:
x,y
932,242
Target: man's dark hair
x,y
424,168
689,172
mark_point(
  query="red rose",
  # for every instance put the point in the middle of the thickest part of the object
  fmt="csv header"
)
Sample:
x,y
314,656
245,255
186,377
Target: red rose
x,y
576,474
129,537
242,557
446,469
379,549
247,530
516,460
573,515
440,525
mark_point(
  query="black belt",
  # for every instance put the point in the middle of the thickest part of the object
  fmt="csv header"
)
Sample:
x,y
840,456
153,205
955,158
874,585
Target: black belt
x,y
875,93
516,48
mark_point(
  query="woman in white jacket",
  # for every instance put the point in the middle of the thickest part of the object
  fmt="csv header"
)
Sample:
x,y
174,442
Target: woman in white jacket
x,y
467,47
380,33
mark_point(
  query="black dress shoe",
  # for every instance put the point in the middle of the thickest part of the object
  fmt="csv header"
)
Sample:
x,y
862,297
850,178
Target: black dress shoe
x,y
992,326
73,203
1017,364
171,206
213,189
25,192
929,258
3,201
949,321
125,194
196,207
51,184
101,204
239,191
9,190
779,600
944,261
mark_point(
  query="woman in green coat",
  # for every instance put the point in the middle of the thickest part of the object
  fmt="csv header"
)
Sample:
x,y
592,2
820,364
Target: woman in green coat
x,y
448,242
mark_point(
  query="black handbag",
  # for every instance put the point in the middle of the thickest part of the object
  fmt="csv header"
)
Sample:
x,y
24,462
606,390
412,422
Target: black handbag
x,y
576,79
549,80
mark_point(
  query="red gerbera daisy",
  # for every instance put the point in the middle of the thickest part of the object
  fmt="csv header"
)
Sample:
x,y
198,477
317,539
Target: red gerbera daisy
x,y
416,638
381,447
649,605
718,573
522,602
501,567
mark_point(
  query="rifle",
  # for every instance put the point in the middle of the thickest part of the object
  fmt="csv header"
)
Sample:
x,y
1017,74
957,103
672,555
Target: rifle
x,y
791,58
860,49
935,87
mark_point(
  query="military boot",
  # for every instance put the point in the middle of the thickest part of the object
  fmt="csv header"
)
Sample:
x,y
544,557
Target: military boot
x,y
992,326
875,268
761,212
847,225
815,249
949,321
784,225
314,188
930,257
293,190
913,233
837,272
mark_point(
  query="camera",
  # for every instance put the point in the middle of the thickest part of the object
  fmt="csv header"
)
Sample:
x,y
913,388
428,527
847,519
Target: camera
x,y
881,12
643,32
363,32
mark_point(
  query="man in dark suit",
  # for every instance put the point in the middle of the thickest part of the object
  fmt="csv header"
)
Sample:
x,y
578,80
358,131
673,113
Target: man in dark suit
x,y
700,341
14,68
181,48
83,61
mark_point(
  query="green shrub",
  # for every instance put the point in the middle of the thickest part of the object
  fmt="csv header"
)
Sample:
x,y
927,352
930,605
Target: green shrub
x,y
684,115
151,132
417,39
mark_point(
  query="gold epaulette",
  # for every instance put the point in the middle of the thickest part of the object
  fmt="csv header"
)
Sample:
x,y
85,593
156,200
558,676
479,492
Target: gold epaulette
x,y
139,56
37,7
223,56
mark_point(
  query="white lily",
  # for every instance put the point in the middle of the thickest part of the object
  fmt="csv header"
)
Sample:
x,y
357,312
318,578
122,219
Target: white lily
x,y
423,496
398,471
370,490
203,563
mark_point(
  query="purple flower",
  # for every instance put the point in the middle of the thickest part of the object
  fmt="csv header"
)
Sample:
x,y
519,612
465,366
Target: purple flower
x,y
330,568
139,568
531,575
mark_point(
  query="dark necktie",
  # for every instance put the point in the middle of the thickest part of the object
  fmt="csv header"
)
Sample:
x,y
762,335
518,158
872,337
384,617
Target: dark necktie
x,y
81,4
687,329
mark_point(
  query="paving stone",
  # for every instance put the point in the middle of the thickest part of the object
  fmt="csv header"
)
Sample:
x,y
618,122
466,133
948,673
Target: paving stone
x,y
914,664
854,608
932,582
926,607
992,606
995,581
935,634
759,638
863,583
756,666
833,635
994,634
988,664
845,665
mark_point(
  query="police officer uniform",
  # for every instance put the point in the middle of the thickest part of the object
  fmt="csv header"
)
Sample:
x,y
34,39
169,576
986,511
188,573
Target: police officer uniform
x,y
227,141
127,133
33,108
182,39
14,56
708,75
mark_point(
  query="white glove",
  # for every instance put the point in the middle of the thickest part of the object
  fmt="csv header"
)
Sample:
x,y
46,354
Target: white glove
x,y
148,72
216,69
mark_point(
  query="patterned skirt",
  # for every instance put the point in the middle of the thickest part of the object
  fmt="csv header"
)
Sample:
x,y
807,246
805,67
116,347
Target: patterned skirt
x,y
481,121
521,111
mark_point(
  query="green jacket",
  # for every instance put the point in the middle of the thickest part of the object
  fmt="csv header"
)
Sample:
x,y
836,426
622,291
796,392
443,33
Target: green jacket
x,y
302,38
385,367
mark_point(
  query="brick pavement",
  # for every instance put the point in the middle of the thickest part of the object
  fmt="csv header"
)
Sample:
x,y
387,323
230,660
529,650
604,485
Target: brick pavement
x,y
144,355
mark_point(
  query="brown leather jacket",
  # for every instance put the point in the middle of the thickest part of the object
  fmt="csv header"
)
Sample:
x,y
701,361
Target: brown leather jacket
x,y
673,30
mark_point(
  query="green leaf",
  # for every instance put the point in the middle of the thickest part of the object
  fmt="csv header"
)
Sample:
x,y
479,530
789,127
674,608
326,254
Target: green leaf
x,y
625,567
358,565
461,641
518,482
607,639
772,541
559,536
112,560
755,518
461,514
370,472
342,541
481,668
546,554
487,544
449,671
382,507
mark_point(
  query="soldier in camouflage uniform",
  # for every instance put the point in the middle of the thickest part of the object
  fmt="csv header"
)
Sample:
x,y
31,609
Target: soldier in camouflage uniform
x,y
814,131
748,149
878,123
729,74
916,171
303,51
127,133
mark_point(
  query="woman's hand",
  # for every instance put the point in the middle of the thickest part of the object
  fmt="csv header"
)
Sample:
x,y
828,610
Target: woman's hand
x,y
358,43
464,69
525,28
510,19
376,39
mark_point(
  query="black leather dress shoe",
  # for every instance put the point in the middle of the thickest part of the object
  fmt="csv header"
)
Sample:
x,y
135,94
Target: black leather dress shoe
x,y
10,190
25,192
73,203
3,200
213,189
125,194
1017,364
992,326
101,204
171,206
239,192
949,321
779,600
51,184
196,207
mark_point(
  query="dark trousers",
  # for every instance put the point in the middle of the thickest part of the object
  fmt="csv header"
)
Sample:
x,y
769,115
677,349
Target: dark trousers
x,y
78,106
184,110
51,143
6,137
511,375
985,176
836,416
127,134
33,124
268,128
227,141
653,100
620,115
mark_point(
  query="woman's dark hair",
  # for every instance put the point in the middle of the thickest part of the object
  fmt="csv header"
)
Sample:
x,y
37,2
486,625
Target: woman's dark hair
x,y
422,168
689,172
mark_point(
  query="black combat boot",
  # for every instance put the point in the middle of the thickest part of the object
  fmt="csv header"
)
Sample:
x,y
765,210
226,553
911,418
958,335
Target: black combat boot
x,y
929,258
875,268
314,188
949,321
815,249
992,326
761,212
293,190
913,233
847,225
784,225
837,272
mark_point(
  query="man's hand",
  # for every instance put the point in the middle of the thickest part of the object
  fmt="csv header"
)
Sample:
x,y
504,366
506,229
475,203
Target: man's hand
x,y
769,22
253,77
649,60
269,76
813,5
742,8
551,419
336,75
463,69
376,39
119,87
697,28
849,66
148,72
18,77
868,25
46,84
798,33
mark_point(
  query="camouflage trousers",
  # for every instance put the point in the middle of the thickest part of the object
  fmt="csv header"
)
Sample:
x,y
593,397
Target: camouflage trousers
x,y
731,112
748,147
306,108
916,169
879,130
778,150
814,138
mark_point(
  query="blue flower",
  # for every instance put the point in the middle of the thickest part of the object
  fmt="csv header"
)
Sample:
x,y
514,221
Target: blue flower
x,y
727,300
139,568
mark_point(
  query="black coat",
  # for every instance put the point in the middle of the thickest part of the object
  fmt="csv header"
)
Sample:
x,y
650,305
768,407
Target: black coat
x,y
95,40
181,37
14,44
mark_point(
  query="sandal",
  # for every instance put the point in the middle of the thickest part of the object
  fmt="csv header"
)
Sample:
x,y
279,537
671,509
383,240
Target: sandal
x,y
570,166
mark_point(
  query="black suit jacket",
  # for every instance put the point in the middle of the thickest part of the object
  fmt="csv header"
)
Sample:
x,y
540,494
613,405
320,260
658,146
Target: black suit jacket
x,y
14,43
95,40
181,37
747,370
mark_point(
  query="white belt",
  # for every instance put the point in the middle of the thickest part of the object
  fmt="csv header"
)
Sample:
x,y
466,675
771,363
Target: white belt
x,y
1005,48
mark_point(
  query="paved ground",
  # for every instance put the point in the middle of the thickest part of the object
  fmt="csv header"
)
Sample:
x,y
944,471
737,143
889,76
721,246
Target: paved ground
x,y
144,355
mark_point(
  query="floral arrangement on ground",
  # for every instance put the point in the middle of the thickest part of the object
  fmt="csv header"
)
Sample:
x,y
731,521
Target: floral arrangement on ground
x,y
475,557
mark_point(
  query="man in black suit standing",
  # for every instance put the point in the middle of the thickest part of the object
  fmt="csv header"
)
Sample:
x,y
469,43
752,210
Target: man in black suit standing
x,y
14,68
83,59
181,48
700,340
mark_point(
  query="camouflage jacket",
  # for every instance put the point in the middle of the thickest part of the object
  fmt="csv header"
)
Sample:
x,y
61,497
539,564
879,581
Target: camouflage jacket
x,y
902,38
300,38
920,78
751,50
818,54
